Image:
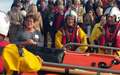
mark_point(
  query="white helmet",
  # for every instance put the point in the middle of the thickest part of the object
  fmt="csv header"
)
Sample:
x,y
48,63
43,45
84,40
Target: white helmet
x,y
113,11
71,13
4,23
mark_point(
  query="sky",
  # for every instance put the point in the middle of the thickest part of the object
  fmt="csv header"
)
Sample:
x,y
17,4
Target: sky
x,y
6,4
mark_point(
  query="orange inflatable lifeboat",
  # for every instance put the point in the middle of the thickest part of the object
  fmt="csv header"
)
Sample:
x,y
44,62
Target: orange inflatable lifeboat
x,y
77,63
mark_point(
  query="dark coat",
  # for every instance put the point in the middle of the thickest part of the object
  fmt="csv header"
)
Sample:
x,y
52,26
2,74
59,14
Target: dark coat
x,y
88,7
55,21
44,15
98,19
51,18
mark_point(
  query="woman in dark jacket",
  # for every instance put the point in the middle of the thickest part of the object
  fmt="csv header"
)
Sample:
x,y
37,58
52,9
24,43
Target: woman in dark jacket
x,y
51,18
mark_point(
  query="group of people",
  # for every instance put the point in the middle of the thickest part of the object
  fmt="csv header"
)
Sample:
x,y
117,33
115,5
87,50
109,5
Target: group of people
x,y
13,58
65,22
95,23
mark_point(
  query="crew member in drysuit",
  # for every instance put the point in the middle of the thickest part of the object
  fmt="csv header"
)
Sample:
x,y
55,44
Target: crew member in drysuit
x,y
111,31
70,32
4,27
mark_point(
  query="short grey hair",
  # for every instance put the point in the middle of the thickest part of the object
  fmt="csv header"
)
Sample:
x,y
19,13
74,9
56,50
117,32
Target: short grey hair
x,y
59,1
61,7
99,8
77,1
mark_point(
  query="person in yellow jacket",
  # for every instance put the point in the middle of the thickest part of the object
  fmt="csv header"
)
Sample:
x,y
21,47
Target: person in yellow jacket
x,y
70,32
97,31
111,32
4,27
97,28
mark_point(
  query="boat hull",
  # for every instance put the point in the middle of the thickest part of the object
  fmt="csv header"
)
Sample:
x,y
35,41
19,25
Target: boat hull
x,y
90,60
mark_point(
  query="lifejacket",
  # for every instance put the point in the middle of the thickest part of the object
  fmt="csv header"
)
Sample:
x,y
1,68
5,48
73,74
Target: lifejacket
x,y
2,45
110,37
15,58
70,37
93,39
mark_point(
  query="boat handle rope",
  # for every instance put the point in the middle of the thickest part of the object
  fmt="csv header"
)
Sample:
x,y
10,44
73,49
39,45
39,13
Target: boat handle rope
x,y
86,54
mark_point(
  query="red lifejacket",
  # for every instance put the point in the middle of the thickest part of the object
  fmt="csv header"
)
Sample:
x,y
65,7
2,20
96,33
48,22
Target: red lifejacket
x,y
109,36
70,37
2,45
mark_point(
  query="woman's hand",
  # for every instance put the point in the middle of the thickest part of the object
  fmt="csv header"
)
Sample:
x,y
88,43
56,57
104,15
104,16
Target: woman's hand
x,y
30,41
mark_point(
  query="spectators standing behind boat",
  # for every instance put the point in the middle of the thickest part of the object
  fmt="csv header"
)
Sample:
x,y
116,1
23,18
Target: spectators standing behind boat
x,y
111,3
29,35
104,2
97,4
89,5
23,13
51,18
58,20
27,4
95,8
38,3
22,9
70,32
51,2
99,14
92,12
97,28
19,3
83,2
80,12
16,21
33,10
88,24
44,13
118,3
94,37
60,2
70,5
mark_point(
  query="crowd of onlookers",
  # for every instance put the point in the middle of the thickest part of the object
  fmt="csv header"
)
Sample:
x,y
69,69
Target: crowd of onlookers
x,y
33,26
49,17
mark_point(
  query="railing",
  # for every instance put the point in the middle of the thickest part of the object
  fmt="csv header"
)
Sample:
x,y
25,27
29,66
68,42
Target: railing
x,y
81,67
95,46
86,68
66,66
